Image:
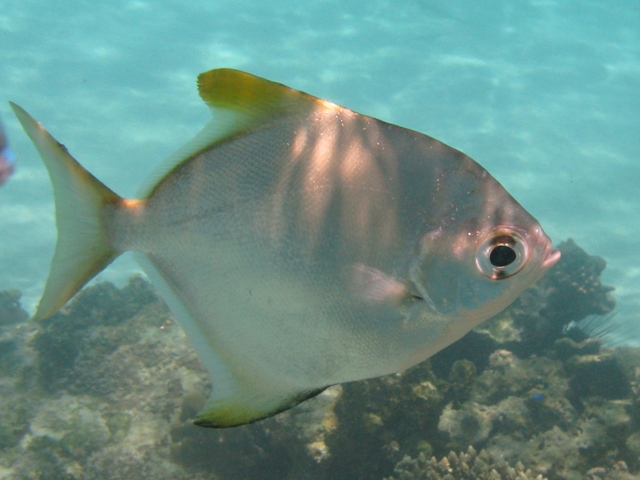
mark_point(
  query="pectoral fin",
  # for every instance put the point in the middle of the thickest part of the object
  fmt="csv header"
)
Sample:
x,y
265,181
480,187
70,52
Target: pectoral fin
x,y
374,286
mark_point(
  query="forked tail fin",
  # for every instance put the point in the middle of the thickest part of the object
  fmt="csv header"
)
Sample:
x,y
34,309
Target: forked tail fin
x,y
82,249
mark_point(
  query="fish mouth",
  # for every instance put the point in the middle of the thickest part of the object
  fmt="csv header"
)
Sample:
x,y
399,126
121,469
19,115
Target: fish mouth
x,y
550,255
551,258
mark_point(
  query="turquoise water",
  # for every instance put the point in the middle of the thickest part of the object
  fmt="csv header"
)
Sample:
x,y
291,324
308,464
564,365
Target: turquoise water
x,y
544,94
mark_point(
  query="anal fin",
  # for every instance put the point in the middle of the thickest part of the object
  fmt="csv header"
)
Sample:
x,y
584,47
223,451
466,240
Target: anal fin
x,y
240,395
239,410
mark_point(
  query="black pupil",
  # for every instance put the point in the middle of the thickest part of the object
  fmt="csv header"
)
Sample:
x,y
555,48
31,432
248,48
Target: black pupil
x,y
502,255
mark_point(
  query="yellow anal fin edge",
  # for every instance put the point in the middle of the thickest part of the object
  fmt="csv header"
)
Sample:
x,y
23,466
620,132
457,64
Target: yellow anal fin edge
x,y
238,396
233,412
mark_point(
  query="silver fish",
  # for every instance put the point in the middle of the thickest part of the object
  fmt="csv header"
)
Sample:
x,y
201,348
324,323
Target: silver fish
x,y
300,244
7,158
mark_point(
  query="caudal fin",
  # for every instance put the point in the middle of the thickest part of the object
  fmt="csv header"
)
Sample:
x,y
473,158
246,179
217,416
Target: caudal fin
x,y
82,250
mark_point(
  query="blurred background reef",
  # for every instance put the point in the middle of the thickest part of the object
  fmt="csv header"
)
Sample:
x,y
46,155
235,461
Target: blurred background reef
x,y
108,387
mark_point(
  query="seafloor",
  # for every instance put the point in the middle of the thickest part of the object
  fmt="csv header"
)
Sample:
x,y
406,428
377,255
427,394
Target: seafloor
x,y
107,389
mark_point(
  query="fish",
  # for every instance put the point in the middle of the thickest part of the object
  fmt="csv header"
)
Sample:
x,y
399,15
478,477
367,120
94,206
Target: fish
x,y
7,158
299,244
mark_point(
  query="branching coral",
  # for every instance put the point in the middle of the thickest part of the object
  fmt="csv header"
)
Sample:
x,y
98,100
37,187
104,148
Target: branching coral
x,y
468,465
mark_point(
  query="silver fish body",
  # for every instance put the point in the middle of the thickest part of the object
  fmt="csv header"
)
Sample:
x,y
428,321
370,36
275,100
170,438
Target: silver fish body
x,y
301,244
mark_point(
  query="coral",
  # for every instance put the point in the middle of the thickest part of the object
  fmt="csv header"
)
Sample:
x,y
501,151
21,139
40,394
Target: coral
x,y
116,385
108,388
13,330
292,443
576,290
507,375
618,471
85,330
595,439
467,465
73,422
569,292
566,347
123,463
10,311
597,375
18,402
511,396
548,413
393,416
469,425
463,374
569,300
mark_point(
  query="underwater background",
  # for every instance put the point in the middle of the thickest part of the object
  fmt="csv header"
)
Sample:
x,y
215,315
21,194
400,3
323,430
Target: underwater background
x,y
543,94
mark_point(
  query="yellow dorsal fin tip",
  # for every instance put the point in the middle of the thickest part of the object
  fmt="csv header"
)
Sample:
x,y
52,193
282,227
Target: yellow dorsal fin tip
x,y
232,89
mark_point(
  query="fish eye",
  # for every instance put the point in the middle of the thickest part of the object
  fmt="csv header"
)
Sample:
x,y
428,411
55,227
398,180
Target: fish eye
x,y
501,255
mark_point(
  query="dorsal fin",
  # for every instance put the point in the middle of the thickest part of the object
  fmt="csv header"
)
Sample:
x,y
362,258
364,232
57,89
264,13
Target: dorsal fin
x,y
225,88
239,101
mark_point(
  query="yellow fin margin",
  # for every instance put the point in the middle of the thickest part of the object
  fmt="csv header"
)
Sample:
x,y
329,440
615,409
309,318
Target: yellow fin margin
x,y
230,89
239,102
232,412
